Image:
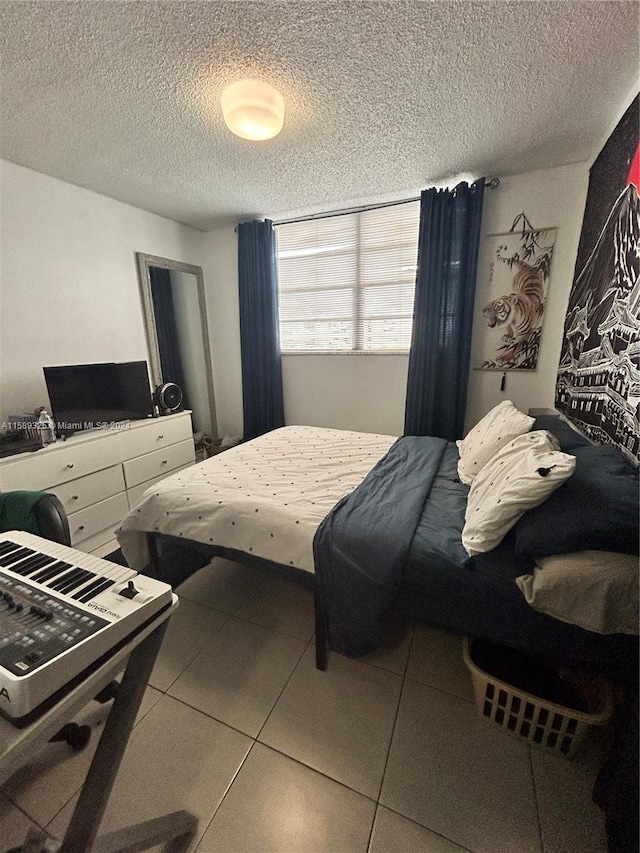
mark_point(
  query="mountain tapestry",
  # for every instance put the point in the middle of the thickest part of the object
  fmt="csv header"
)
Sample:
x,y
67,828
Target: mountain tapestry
x,y
598,383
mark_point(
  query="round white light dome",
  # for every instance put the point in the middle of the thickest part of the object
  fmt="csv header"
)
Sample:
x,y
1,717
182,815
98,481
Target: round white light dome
x,y
253,109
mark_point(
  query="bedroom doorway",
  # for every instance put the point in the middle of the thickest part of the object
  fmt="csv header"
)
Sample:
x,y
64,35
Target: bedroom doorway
x,y
175,317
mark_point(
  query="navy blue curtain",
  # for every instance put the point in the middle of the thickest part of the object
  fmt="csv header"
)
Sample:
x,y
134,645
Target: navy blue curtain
x,y
443,310
166,329
259,330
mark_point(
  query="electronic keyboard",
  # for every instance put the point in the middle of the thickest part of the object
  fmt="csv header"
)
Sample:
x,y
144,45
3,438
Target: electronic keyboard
x,y
60,611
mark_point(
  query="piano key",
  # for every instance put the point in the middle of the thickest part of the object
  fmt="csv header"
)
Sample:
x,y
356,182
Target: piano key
x,y
59,573
6,546
89,588
119,576
58,582
32,564
81,577
51,571
114,572
88,593
20,554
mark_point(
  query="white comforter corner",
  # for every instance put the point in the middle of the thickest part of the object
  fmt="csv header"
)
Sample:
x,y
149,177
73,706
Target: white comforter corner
x,y
266,497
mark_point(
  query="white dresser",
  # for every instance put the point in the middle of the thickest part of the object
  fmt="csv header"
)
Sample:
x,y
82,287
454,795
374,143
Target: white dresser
x,y
99,475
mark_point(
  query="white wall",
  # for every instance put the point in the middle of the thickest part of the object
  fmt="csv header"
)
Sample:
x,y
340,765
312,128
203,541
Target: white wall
x,y
367,392
360,392
68,281
553,198
69,293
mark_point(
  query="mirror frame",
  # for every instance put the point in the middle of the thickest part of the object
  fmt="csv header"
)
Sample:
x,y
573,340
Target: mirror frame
x,y
144,262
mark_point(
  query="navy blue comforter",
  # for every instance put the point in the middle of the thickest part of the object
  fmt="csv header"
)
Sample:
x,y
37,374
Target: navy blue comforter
x,y
362,546
396,540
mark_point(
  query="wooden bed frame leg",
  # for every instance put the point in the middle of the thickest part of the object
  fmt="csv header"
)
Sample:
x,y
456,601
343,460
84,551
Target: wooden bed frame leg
x,y
321,631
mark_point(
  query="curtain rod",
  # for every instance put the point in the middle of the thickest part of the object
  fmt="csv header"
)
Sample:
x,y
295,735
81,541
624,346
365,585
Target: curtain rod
x,y
493,184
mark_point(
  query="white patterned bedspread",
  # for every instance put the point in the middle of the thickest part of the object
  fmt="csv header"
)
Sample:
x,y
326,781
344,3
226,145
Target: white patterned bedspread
x,y
266,497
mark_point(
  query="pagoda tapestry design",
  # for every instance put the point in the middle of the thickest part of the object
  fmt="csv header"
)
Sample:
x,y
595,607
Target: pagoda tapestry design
x,y
598,383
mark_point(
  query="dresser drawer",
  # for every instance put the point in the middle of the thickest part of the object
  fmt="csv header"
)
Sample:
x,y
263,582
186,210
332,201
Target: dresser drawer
x,y
84,491
152,435
104,515
134,494
100,544
60,463
159,462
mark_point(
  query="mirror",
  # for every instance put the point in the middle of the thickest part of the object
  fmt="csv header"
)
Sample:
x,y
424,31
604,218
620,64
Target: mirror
x,y
175,318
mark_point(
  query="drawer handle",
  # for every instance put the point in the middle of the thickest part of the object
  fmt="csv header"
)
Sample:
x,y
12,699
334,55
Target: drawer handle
x,y
160,437
164,461
81,527
74,497
69,464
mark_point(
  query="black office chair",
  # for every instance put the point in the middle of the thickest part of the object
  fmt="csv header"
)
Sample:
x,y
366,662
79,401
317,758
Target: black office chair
x,y
35,512
43,514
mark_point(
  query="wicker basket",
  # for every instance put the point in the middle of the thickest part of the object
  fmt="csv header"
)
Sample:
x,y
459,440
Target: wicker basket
x,y
539,721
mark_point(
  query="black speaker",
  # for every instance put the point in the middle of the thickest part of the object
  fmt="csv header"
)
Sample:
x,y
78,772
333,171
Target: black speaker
x,y
168,397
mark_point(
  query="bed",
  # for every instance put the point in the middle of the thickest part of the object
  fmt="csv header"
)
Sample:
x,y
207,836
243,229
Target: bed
x,y
379,523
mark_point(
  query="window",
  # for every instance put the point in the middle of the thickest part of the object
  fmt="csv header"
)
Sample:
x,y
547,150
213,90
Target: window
x,y
346,282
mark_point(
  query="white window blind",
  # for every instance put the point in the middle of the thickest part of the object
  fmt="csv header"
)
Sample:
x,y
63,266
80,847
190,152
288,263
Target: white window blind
x,y
346,282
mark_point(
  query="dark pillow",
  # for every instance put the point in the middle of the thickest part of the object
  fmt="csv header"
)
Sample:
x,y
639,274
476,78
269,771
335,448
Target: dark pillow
x,y
568,438
596,509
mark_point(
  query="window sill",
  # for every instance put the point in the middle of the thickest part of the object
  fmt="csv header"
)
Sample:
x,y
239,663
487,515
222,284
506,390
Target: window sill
x,y
345,352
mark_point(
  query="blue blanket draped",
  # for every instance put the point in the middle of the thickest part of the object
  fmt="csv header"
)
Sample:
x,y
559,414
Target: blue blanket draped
x,y
361,546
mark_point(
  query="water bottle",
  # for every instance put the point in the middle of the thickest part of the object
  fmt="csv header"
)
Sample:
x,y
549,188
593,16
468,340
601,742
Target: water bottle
x,y
46,427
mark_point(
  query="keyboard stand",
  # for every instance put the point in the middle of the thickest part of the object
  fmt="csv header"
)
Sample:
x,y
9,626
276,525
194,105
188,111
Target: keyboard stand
x,y
137,657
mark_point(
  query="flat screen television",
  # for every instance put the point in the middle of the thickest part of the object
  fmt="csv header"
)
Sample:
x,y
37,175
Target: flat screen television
x,y
93,396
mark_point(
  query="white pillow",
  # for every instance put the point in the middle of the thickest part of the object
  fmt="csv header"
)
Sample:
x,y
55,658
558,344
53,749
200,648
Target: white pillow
x,y
596,590
497,428
520,476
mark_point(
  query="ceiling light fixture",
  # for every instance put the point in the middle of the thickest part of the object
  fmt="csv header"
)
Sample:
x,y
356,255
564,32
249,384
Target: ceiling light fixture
x,y
253,109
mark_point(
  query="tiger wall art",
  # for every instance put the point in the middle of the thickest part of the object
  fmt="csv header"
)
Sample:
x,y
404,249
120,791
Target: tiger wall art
x,y
519,269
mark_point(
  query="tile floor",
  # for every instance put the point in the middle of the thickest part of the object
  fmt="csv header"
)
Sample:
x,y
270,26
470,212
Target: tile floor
x,y
381,755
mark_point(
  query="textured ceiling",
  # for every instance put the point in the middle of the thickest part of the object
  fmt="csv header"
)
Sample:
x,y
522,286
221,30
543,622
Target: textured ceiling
x,y
383,98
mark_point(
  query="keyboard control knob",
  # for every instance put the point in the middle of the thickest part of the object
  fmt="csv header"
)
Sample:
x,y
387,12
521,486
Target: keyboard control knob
x,y
129,591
